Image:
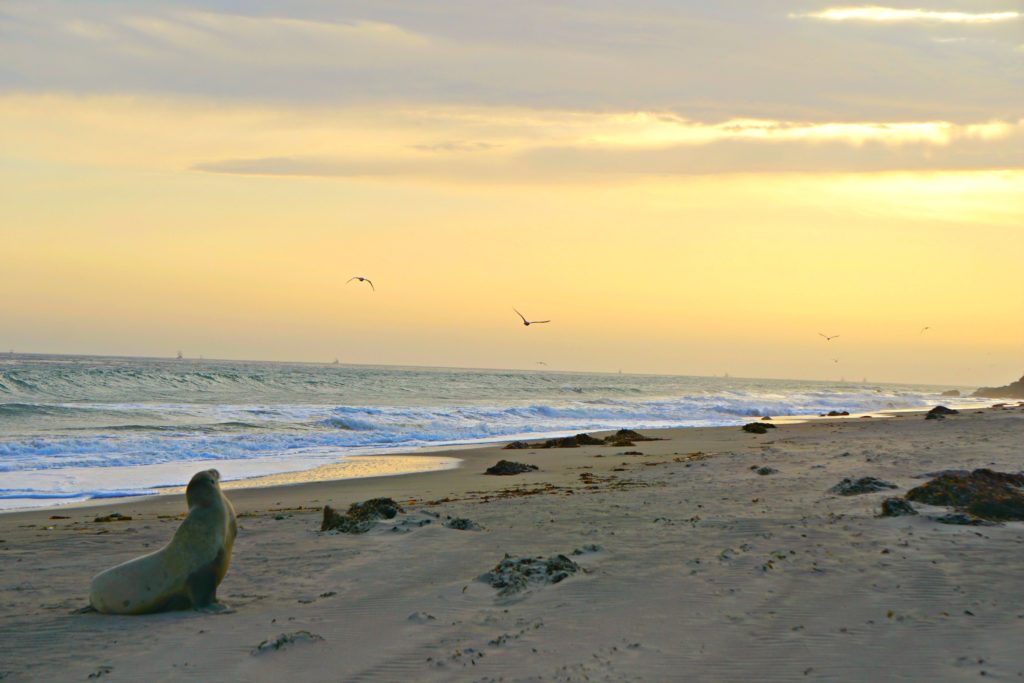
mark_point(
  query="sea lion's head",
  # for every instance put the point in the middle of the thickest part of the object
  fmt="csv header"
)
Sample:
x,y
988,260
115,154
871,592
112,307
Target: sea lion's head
x,y
203,489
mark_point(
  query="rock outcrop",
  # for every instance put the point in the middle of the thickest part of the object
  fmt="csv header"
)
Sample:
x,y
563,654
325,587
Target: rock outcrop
x,y
1011,390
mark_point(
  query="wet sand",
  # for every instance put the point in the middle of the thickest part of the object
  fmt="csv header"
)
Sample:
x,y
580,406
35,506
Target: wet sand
x,y
704,571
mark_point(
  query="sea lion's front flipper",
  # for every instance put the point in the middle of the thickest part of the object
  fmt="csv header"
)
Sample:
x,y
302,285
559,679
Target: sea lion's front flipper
x,y
202,586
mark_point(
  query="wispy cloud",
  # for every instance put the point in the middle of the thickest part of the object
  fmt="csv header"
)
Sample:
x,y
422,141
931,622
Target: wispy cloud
x,y
476,143
892,15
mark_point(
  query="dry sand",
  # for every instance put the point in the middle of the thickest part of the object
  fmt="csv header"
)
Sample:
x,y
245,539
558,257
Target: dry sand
x,y
707,571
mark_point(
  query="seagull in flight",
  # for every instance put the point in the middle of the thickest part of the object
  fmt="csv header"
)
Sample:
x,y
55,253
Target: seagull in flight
x,y
362,279
835,360
827,337
925,329
526,322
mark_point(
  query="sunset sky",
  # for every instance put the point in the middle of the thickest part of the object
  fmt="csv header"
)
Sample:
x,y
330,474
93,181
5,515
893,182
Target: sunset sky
x,y
682,186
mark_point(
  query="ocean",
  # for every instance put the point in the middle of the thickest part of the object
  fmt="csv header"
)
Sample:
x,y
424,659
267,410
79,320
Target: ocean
x,y
74,428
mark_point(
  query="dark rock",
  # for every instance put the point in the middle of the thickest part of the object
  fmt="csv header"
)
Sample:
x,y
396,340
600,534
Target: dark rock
x,y
837,413
360,517
983,493
934,416
588,440
756,428
517,445
855,487
629,435
507,467
564,442
1011,390
515,574
765,470
897,507
766,417
962,519
943,410
462,524
952,392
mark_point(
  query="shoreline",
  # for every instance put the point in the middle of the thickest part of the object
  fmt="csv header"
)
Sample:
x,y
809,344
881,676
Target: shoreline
x,y
439,453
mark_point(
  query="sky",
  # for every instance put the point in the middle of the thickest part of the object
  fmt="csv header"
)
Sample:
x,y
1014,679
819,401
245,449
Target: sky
x,y
681,186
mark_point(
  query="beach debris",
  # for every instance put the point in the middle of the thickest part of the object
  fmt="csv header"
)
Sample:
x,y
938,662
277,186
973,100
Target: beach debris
x,y
515,574
508,467
285,640
101,671
962,519
896,507
360,517
855,487
462,524
421,617
765,470
944,473
113,517
757,427
629,435
623,437
588,548
983,493
952,392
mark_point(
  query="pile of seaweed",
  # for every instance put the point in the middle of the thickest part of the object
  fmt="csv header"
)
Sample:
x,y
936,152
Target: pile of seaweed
x,y
360,517
623,437
515,574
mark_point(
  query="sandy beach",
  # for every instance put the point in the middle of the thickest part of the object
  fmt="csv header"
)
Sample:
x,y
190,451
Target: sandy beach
x,y
692,566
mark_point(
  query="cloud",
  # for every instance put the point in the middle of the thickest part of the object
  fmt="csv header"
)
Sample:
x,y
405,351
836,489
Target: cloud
x,y
705,61
874,13
474,143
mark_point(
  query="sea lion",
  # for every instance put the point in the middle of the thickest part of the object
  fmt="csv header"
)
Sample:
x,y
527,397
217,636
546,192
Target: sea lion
x,y
184,573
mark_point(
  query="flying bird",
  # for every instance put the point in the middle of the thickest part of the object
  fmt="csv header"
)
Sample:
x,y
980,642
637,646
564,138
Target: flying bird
x,y
925,329
828,338
835,360
362,279
529,322
540,362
